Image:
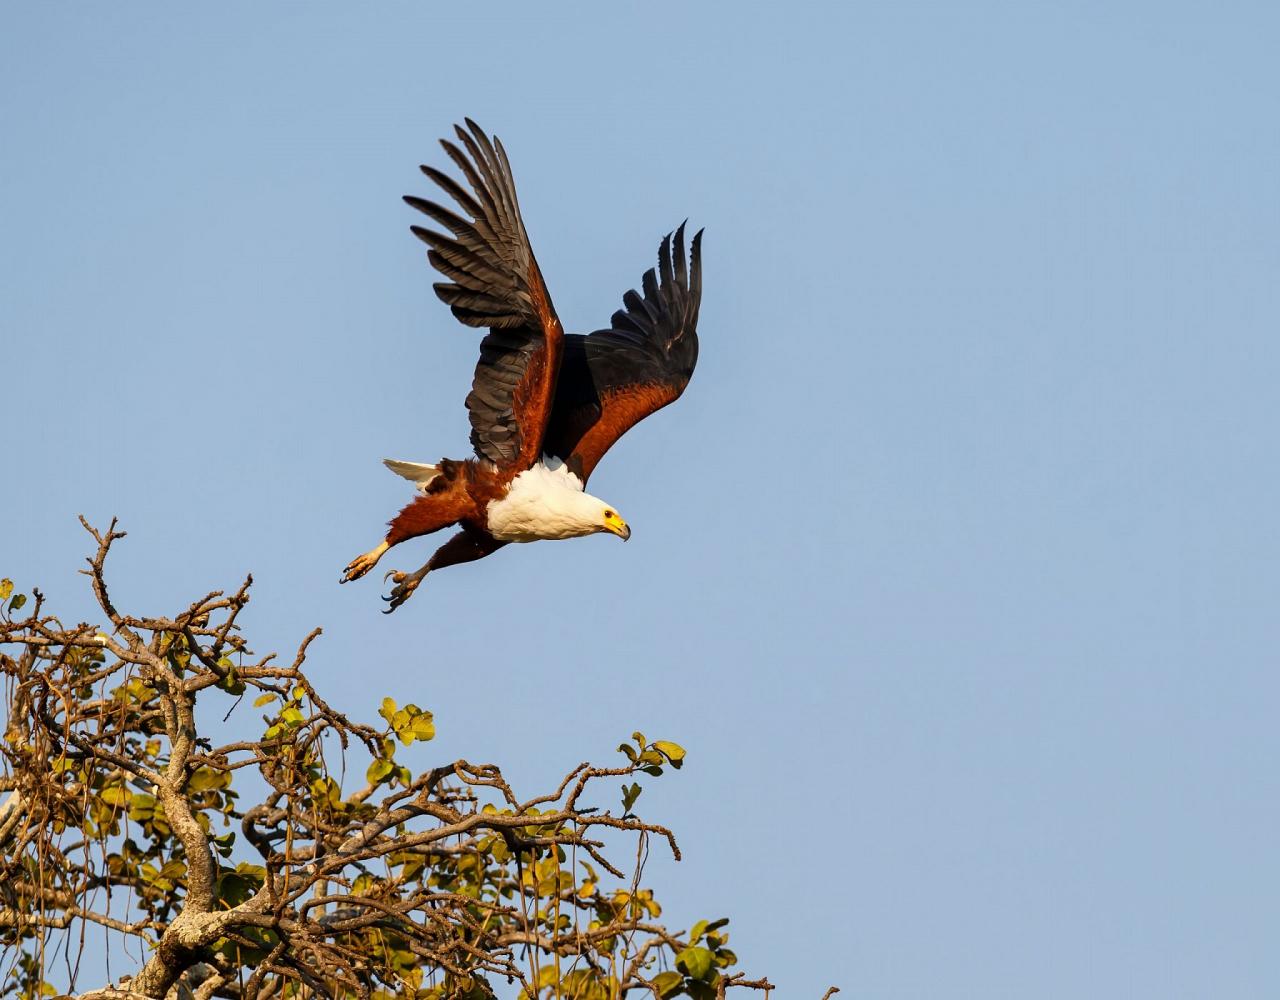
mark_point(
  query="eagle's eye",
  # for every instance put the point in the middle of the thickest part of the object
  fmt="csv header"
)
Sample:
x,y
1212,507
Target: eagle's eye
x,y
609,514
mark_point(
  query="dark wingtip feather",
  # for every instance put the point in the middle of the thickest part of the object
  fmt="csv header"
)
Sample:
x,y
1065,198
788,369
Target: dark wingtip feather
x,y
682,272
427,236
664,260
652,290
695,278
486,141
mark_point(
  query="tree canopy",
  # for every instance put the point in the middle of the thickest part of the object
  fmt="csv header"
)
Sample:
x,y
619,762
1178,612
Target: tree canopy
x,y
308,861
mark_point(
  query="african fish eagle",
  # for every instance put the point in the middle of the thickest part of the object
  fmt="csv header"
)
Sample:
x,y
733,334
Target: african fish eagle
x,y
545,406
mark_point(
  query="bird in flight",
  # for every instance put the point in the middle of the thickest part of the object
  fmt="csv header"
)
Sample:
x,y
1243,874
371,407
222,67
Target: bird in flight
x,y
545,406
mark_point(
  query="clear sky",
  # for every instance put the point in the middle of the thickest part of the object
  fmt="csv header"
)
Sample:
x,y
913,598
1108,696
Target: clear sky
x,y
955,569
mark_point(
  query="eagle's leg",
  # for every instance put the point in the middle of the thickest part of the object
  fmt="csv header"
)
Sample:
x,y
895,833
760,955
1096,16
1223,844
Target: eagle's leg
x,y
361,564
422,516
466,546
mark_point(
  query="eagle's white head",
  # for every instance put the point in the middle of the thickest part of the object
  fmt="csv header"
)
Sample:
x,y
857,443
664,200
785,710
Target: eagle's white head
x,y
548,501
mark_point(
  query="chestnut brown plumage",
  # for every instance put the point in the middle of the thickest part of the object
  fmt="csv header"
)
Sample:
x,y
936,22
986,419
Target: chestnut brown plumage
x,y
544,406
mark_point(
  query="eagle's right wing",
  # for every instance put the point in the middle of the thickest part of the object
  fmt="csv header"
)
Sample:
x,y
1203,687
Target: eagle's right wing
x,y
494,281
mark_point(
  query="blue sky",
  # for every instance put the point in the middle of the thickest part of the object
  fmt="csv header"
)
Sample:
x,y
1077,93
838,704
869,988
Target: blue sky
x,y
955,569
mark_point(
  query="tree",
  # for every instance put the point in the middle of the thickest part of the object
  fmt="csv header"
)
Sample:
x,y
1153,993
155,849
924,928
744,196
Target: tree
x,y
123,812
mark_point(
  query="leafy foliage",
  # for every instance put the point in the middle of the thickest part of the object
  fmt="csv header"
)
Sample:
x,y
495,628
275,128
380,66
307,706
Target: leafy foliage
x,y
253,869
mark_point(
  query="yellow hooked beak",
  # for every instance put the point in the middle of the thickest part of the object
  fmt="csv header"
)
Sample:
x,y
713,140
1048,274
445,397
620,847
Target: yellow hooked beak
x,y
612,522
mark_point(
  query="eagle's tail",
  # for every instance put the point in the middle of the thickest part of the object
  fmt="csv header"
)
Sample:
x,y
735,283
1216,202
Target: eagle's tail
x,y
415,472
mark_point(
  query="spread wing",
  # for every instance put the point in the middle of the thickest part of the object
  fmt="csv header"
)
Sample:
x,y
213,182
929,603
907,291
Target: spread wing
x,y
612,379
494,281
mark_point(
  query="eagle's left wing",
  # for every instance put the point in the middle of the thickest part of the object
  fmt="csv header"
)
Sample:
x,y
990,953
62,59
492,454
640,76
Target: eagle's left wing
x,y
612,379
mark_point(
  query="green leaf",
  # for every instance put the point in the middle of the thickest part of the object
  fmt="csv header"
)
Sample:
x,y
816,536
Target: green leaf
x,y
6,588
626,748
378,771
206,779
547,977
17,602
699,990
639,738
423,728
696,961
234,888
230,681
411,723
668,983
263,699
697,930
141,807
116,795
388,709
629,796
674,752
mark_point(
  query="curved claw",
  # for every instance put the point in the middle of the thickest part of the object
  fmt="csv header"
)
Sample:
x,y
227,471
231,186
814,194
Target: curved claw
x,y
361,564
406,584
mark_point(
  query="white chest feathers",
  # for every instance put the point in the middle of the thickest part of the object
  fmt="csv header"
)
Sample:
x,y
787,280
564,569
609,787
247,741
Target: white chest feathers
x,y
546,501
